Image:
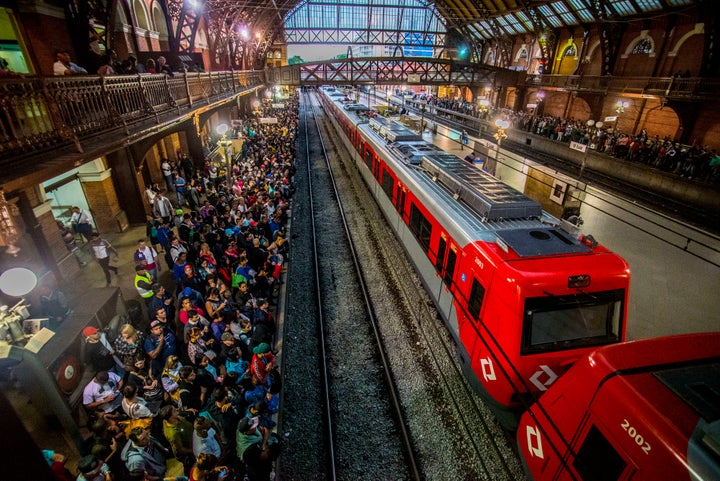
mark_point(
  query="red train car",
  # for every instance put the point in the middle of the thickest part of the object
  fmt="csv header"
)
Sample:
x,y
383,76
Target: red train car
x,y
641,410
522,297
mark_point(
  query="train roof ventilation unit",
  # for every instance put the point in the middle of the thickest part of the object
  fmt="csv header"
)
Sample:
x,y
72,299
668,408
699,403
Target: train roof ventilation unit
x,y
393,131
488,196
413,151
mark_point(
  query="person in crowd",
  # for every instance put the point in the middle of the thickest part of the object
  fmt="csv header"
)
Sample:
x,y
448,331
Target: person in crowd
x,y
225,415
262,363
206,469
128,343
162,301
162,207
146,256
144,456
150,66
102,393
56,461
63,65
192,394
177,247
205,439
81,221
170,378
93,469
196,345
70,244
159,345
133,405
148,385
179,433
164,67
106,66
187,305
100,355
257,447
101,250
53,304
143,283
180,185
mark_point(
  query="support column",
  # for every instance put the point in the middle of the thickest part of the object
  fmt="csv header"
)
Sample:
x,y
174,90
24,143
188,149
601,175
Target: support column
x,y
40,231
97,183
195,148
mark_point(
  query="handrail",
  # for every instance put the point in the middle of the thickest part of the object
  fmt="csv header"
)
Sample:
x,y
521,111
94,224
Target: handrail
x,y
38,113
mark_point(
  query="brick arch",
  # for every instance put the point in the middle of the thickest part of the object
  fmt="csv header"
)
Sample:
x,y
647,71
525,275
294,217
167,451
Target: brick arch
x,y
698,30
662,121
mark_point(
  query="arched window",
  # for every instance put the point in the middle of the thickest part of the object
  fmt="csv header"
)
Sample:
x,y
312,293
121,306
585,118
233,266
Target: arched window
x,y
522,54
644,45
570,51
159,21
141,15
278,54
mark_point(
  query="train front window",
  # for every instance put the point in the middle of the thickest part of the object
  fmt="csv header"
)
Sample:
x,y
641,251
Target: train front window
x,y
554,323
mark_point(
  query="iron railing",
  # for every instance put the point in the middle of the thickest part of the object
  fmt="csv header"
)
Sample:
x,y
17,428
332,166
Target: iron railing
x,y
37,113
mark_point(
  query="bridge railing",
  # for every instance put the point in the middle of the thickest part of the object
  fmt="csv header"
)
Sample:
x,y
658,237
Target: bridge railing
x,y
40,112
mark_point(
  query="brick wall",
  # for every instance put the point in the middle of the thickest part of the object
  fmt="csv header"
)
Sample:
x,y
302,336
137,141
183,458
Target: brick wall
x,y
45,34
104,204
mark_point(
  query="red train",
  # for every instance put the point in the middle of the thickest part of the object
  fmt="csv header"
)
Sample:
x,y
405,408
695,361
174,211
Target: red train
x,y
641,410
523,298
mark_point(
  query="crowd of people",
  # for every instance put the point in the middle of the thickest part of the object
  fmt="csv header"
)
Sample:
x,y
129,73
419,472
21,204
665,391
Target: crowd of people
x,y
692,162
110,64
189,386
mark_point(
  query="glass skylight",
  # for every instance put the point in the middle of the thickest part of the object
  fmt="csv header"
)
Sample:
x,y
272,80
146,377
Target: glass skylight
x,y
550,16
562,10
581,8
623,7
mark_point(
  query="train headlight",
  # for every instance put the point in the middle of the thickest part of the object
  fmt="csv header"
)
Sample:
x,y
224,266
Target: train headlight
x,y
582,280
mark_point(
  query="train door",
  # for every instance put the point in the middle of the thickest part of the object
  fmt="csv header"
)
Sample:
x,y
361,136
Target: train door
x,y
400,200
445,261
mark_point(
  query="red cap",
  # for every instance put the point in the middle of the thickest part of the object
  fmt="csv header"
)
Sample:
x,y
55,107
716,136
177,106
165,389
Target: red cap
x,y
89,331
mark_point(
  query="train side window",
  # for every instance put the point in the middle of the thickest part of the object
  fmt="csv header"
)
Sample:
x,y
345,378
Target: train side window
x,y
420,226
400,202
597,460
440,254
476,298
387,183
369,159
450,267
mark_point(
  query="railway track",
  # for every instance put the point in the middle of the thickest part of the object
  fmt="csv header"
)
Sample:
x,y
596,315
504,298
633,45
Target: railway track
x,y
363,436
452,434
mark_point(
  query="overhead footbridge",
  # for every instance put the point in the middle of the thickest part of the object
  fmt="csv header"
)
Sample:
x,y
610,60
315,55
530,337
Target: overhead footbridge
x,y
390,71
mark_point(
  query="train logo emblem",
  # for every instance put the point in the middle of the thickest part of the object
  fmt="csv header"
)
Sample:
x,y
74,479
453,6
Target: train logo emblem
x,y
535,379
488,370
534,442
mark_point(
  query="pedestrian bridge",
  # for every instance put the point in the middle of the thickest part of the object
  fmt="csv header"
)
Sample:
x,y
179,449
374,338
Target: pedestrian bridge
x,y
390,71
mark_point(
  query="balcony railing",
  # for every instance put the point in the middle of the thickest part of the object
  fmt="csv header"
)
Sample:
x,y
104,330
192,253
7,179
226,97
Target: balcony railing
x,y
665,87
38,113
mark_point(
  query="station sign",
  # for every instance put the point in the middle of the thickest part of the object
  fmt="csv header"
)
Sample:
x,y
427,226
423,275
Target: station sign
x,y
578,146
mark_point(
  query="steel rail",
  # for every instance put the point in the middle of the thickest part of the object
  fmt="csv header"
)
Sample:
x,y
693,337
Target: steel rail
x,y
390,382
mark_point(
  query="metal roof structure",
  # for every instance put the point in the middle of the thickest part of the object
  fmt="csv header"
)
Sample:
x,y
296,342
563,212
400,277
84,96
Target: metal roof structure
x,y
470,23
